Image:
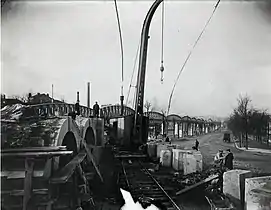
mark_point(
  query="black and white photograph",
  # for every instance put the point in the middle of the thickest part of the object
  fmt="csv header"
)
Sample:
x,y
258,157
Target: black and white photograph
x,y
135,104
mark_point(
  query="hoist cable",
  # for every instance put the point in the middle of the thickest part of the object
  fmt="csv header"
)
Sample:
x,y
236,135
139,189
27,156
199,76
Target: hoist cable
x,y
162,41
187,58
128,94
162,32
121,46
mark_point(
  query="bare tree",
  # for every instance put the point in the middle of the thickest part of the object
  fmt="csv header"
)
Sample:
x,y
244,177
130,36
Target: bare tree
x,y
22,98
148,106
239,121
63,99
163,111
243,111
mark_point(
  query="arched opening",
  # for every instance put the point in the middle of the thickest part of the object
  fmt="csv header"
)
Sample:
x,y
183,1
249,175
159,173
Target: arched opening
x,y
70,142
90,137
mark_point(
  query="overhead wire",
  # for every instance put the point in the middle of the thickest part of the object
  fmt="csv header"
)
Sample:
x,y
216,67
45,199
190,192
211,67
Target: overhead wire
x,y
134,67
187,58
121,47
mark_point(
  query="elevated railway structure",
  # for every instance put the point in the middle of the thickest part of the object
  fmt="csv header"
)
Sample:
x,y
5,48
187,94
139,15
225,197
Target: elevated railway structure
x,y
45,150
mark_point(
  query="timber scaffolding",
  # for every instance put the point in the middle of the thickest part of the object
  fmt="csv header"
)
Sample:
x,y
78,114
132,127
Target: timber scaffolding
x,y
30,180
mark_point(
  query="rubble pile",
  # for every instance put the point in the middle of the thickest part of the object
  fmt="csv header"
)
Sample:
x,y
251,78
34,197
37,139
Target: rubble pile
x,y
27,134
17,112
17,132
13,112
178,181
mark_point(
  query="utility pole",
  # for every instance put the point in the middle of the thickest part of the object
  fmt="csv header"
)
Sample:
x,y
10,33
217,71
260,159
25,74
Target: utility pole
x,y
88,95
52,93
77,106
78,97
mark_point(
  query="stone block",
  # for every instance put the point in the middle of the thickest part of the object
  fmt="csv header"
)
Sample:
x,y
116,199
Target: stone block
x,y
178,159
100,132
234,185
258,193
161,147
199,162
190,163
166,158
152,148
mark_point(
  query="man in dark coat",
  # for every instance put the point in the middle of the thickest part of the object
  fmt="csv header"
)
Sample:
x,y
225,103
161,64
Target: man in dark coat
x,y
196,147
96,109
229,160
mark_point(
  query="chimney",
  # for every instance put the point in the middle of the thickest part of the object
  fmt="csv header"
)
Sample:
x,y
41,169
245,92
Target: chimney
x,y
88,96
78,97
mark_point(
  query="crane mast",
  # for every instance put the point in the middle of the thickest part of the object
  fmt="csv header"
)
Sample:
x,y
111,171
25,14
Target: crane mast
x,y
138,119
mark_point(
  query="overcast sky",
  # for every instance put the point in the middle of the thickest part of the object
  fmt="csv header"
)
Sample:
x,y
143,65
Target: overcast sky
x,y
70,43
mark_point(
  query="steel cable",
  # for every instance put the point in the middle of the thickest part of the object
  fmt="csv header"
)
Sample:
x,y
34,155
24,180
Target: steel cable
x,y
187,58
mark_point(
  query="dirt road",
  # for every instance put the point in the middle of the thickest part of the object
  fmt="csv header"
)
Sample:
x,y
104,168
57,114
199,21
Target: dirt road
x,y
210,144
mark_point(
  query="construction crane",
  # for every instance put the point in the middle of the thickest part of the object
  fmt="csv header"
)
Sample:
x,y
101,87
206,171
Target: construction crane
x,y
140,122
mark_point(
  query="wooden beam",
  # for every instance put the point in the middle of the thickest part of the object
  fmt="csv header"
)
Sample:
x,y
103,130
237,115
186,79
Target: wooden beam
x,y
197,184
35,154
131,156
91,158
68,170
12,174
29,166
21,192
35,149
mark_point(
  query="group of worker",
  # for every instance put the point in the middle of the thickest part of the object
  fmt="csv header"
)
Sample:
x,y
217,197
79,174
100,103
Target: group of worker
x,y
224,160
220,159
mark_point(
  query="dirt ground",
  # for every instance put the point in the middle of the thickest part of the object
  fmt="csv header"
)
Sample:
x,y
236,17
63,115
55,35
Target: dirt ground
x,y
209,145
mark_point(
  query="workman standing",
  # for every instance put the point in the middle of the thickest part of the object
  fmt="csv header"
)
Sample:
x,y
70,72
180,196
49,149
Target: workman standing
x,y
196,147
96,109
219,158
229,160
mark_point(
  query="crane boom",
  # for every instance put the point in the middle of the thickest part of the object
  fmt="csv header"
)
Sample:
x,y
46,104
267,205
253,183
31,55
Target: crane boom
x,y
138,120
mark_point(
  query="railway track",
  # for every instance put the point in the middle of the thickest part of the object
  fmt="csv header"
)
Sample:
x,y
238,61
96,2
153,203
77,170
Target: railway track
x,y
144,187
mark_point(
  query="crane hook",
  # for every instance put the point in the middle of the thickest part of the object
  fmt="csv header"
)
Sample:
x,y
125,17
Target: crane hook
x,y
162,71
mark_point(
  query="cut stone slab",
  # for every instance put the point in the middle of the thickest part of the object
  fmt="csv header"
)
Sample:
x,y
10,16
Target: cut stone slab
x,y
234,186
258,193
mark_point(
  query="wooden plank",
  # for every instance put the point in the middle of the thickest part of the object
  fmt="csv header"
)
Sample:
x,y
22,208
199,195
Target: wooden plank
x,y
90,156
29,166
197,184
20,174
49,173
35,154
131,156
34,149
21,192
66,172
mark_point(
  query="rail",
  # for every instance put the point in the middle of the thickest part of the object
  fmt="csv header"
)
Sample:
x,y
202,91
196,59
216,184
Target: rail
x,y
144,187
162,189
